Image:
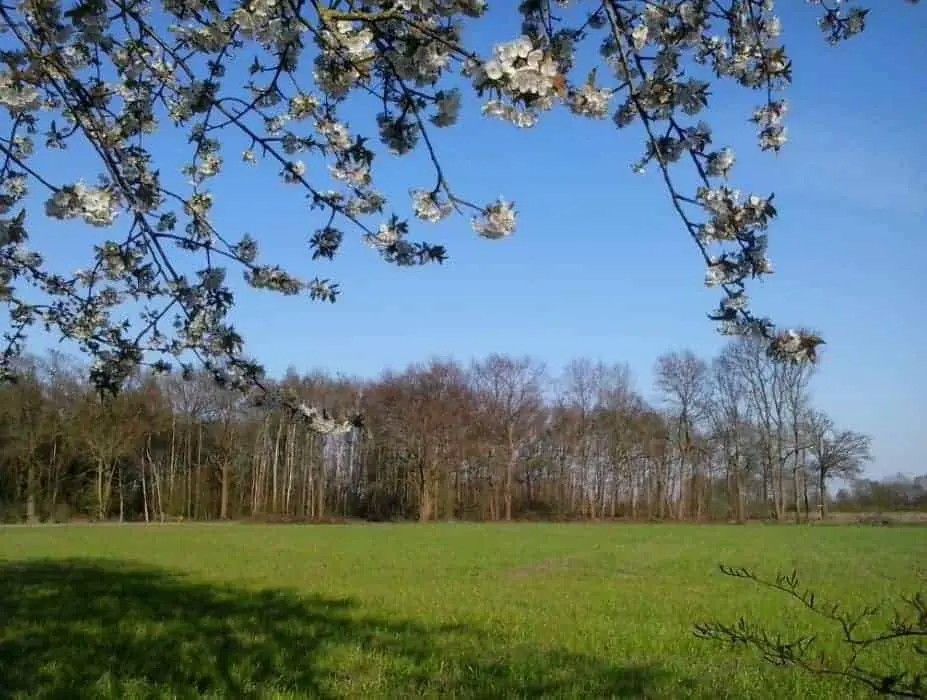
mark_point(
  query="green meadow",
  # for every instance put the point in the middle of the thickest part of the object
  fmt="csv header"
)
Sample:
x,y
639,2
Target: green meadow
x,y
408,611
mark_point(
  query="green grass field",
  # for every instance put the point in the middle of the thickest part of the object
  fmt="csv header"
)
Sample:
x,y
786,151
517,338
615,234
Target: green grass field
x,y
454,610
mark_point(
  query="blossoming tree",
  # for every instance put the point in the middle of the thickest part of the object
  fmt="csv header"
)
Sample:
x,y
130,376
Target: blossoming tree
x,y
112,74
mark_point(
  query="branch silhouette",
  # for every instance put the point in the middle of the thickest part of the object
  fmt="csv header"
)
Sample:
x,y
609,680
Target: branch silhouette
x,y
907,626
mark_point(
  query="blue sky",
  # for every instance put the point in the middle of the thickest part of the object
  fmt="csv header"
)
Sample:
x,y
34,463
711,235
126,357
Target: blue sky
x,y
600,267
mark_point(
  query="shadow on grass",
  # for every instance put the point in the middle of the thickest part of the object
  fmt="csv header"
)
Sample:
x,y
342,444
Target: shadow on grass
x,y
97,628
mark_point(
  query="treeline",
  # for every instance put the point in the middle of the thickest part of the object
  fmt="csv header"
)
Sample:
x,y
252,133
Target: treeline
x,y
730,438
898,493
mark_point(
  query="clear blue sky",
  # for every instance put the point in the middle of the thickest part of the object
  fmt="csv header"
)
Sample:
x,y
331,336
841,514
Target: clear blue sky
x,y
600,267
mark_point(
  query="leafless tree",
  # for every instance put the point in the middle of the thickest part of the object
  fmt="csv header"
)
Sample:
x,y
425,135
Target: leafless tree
x,y
836,453
682,380
509,390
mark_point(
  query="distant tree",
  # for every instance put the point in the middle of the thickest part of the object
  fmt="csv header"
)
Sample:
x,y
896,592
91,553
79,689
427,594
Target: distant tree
x,y
729,414
619,413
425,411
899,492
776,394
509,390
579,392
25,415
682,380
110,84
836,453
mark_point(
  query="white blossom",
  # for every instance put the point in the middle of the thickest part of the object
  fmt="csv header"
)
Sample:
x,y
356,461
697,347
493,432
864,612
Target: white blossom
x,y
590,101
336,133
448,105
294,171
498,220
428,207
21,97
96,206
720,163
16,186
302,106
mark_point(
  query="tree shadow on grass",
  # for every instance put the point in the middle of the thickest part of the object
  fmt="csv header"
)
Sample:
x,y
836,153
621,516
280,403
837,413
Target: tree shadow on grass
x,y
97,628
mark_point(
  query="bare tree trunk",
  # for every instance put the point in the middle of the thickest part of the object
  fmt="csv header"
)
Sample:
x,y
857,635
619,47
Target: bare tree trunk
x,y
188,474
780,480
172,465
661,488
822,494
708,491
101,507
141,470
290,468
796,492
122,500
510,473
741,497
321,485
31,514
54,476
157,493
198,474
275,467
259,469
225,476
424,492
804,483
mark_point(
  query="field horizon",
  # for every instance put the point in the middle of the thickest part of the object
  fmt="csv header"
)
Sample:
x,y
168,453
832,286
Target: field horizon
x,y
443,609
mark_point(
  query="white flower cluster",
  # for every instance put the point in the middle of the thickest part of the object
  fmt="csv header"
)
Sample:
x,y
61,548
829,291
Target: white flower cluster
x,y
428,207
448,104
354,40
522,72
15,187
116,262
590,101
336,133
523,119
259,19
390,241
665,23
720,163
364,202
400,135
274,278
386,236
730,220
733,268
97,206
419,57
768,118
722,271
355,173
345,57
301,106
198,205
497,221
293,172
795,346
734,302
18,96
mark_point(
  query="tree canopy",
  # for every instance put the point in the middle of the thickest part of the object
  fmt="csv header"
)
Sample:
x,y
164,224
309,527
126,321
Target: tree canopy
x,y
269,80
